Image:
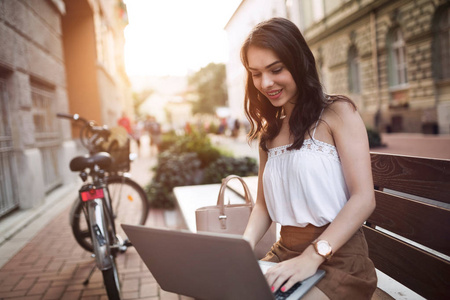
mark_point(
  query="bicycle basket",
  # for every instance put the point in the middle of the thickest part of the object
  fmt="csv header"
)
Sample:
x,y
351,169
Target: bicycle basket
x,y
121,158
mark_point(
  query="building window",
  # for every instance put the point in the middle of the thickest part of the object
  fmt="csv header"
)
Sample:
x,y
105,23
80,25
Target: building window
x,y
442,44
354,80
397,59
46,132
8,170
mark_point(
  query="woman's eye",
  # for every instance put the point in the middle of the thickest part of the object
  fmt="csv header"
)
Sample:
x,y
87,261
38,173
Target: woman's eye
x,y
256,74
277,70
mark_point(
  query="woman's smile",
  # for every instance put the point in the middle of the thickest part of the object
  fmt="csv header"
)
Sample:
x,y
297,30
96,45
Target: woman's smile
x,y
274,93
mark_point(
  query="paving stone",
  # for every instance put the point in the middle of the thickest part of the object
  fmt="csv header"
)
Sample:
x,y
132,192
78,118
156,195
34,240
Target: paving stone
x,y
25,284
10,294
36,297
71,295
130,295
54,293
163,295
148,290
52,276
39,288
92,298
131,285
92,292
80,286
6,288
11,280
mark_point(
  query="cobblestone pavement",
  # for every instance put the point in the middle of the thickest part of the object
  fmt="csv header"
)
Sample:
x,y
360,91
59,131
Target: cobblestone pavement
x,y
51,265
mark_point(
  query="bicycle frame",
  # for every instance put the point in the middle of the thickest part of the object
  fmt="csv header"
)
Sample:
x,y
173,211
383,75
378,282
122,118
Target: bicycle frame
x,y
98,213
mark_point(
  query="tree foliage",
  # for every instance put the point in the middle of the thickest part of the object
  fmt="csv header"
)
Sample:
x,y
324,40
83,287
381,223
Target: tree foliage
x,y
139,99
210,86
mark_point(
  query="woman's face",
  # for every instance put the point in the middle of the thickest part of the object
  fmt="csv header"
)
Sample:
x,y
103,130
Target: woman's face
x,y
271,77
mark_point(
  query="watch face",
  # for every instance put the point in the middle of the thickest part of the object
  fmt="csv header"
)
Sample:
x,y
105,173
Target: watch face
x,y
323,248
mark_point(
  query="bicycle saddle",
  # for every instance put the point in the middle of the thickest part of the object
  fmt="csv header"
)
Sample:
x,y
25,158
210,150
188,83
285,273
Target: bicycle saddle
x,y
102,159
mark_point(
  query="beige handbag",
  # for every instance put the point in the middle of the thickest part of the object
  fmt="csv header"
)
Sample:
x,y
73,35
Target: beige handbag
x,y
233,218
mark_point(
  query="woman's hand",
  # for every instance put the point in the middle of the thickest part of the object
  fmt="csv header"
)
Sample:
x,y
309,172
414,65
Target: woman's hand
x,y
294,270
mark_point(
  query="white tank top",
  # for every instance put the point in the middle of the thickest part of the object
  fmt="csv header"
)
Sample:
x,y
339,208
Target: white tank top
x,y
304,186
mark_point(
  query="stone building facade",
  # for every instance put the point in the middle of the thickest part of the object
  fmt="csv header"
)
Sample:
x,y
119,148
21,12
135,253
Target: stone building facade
x,y
42,73
391,57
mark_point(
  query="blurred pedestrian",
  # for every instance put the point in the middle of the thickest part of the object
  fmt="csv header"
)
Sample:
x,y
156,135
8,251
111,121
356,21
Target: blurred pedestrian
x,y
125,122
154,130
236,128
187,128
138,128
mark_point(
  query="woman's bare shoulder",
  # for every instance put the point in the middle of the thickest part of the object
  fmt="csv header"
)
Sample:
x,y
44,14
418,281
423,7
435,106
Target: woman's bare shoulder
x,y
338,111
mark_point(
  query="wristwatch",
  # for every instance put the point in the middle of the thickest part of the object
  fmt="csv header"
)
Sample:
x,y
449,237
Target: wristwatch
x,y
323,248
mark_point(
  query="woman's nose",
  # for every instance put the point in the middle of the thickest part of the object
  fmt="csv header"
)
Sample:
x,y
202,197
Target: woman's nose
x,y
267,81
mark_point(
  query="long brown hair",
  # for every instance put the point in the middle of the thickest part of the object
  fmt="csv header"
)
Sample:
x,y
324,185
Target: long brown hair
x,y
284,38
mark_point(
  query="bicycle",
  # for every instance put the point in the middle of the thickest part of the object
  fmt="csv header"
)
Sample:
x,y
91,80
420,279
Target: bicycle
x,y
108,195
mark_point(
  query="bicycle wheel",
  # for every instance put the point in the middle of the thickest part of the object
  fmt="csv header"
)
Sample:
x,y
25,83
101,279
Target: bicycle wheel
x,y
111,281
128,199
129,203
80,228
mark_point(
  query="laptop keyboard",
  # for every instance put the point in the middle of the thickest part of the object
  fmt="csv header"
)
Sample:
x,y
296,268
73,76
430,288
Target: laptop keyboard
x,y
279,295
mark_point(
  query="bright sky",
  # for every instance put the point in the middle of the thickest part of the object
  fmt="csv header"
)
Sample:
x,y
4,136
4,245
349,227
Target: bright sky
x,y
175,37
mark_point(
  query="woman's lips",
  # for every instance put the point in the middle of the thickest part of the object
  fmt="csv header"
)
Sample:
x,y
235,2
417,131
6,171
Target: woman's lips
x,y
274,94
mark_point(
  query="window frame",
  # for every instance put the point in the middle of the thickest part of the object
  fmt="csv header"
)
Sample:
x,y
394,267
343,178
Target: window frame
x,y
441,49
397,62
354,71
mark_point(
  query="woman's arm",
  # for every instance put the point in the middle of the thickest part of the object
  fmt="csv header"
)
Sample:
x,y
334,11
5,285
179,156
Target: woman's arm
x,y
259,221
350,137
351,141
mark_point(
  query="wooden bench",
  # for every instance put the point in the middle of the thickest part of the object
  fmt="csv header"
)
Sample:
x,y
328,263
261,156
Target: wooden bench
x,y
409,232
413,202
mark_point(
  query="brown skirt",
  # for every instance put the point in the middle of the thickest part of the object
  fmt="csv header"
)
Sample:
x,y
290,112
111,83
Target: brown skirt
x,y
350,274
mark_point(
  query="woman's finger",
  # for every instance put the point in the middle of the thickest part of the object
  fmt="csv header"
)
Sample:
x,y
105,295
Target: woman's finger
x,y
289,284
278,283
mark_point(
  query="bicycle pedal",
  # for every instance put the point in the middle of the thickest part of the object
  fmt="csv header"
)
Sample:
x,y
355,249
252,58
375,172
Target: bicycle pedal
x,y
127,243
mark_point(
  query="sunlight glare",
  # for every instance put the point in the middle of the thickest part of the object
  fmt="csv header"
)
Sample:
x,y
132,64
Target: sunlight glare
x,y
175,37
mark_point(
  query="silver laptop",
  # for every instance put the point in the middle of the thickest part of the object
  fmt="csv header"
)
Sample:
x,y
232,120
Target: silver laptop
x,y
206,265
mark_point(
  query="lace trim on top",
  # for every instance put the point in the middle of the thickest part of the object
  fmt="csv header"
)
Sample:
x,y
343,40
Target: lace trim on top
x,y
309,145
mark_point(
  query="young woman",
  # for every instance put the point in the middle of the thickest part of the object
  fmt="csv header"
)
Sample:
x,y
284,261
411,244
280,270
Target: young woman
x,y
315,175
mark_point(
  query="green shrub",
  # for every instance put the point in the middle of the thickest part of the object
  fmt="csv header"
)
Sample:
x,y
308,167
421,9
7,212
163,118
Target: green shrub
x,y
189,160
213,128
159,195
168,139
224,166
197,143
171,171
374,138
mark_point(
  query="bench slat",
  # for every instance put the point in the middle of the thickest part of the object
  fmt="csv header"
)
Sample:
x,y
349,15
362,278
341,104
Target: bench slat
x,y
423,223
426,274
424,177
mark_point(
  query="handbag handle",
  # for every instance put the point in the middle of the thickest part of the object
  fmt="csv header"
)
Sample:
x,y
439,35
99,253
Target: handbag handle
x,y
220,199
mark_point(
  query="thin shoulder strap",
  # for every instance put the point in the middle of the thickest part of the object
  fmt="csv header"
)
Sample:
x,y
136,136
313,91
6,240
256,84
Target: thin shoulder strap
x,y
317,123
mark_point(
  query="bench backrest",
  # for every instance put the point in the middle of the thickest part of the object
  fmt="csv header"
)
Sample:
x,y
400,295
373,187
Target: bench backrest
x,y
413,197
